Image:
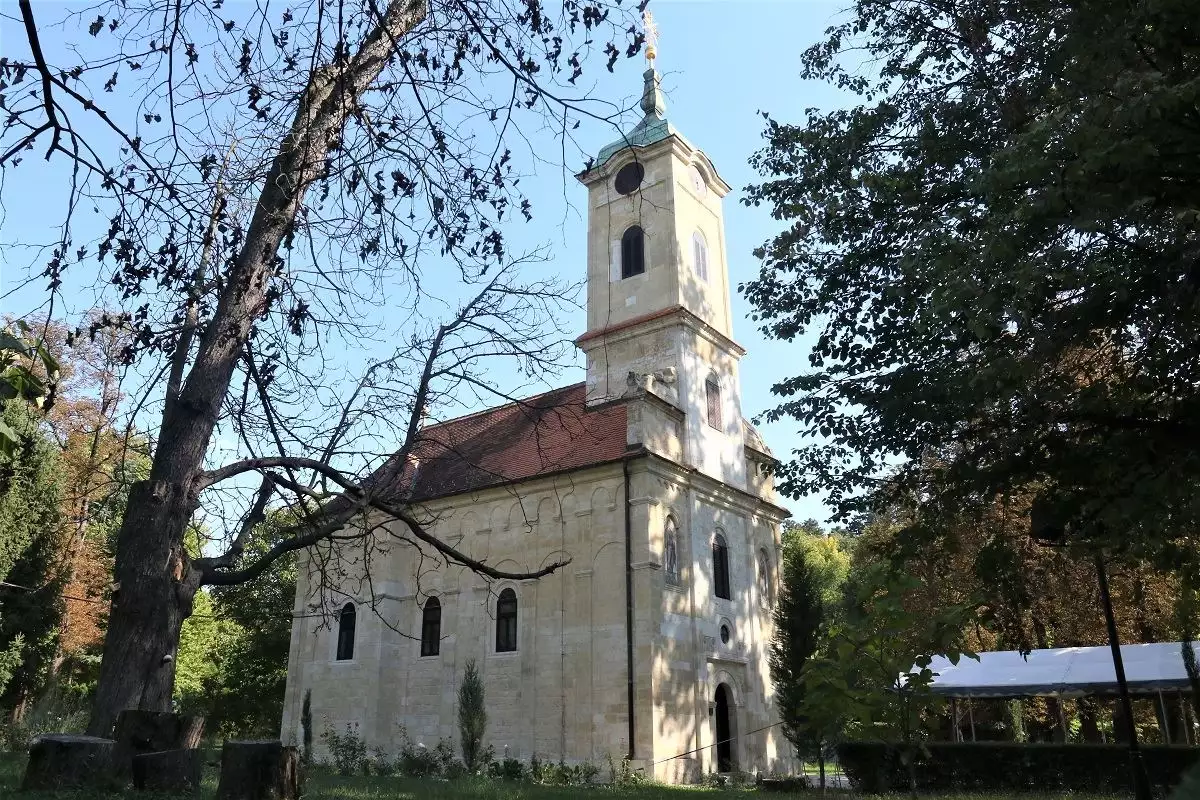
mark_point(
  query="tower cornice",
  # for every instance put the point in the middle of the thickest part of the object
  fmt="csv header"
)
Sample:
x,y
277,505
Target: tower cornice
x,y
664,318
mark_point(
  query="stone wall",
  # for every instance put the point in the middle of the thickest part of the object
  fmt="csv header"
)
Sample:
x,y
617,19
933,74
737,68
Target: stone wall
x,y
563,693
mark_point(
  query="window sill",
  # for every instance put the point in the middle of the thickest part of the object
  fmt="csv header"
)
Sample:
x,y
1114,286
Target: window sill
x,y
504,654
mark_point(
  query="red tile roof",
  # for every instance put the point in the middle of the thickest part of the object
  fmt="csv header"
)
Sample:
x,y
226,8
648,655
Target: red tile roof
x,y
540,435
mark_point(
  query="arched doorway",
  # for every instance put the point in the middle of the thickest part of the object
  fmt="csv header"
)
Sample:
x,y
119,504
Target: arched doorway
x,y
726,731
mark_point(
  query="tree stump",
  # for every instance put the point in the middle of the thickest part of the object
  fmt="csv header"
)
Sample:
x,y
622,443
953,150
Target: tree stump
x,y
62,761
168,770
259,770
140,732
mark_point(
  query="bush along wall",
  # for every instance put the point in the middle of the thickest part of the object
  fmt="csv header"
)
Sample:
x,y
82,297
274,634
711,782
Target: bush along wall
x,y
877,766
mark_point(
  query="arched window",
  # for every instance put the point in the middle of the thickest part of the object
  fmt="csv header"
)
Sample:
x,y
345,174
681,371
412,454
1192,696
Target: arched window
x,y
764,577
345,640
633,255
700,255
431,628
720,567
712,396
506,622
671,552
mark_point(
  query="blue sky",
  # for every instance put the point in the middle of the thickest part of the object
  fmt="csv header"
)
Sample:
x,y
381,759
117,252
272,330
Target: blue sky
x,y
722,61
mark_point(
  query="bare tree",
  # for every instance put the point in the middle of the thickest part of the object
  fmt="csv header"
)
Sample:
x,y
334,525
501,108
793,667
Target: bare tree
x,y
286,196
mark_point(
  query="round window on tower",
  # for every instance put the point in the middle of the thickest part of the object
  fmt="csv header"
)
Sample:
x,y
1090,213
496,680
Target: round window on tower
x,y
725,634
629,178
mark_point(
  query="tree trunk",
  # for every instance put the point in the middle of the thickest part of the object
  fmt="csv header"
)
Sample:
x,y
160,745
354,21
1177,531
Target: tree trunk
x,y
149,604
139,732
168,771
59,761
1089,727
262,770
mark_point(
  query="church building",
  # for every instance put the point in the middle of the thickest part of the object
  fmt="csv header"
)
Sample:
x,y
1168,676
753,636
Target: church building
x,y
652,642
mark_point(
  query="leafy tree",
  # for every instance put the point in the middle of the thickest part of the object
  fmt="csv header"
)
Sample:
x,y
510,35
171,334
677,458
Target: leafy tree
x,y
875,672
799,614
265,250
254,668
827,556
996,247
472,716
30,606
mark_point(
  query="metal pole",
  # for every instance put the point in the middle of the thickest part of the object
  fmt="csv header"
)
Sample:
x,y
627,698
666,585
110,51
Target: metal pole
x,y
1141,783
1165,727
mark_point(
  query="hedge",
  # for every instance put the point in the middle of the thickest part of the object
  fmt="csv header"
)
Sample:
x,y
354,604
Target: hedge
x,y
989,766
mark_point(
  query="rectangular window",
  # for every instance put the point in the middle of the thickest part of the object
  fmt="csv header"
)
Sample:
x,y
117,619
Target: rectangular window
x,y
506,635
431,634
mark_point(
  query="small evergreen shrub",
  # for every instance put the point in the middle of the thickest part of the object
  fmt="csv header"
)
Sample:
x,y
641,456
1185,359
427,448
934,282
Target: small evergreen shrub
x,y
306,727
472,717
347,751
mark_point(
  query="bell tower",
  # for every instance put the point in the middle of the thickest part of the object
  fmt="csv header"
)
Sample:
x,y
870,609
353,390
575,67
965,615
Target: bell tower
x,y
658,309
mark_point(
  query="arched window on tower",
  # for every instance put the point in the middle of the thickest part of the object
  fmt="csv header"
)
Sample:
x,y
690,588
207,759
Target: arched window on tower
x,y
720,567
700,255
633,252
431,628
671,552
345,640
506,622
712,396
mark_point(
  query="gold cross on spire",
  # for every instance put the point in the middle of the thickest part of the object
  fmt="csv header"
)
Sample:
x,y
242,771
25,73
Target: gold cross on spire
x,y
651,36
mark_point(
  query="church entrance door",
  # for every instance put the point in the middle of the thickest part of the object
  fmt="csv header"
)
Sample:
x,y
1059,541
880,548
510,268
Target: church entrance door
x,y
725,733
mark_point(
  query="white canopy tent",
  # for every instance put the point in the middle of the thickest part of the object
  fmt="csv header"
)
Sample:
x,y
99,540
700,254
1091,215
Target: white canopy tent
x,y
1063,672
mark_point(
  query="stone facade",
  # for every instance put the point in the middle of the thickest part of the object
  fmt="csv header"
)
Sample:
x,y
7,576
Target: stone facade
x,y
633,622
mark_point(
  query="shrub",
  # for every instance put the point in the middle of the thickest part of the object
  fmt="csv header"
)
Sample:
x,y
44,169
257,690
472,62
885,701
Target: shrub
x,y
992,766
381,763
472,716
624,775
510,769
52,714
347,750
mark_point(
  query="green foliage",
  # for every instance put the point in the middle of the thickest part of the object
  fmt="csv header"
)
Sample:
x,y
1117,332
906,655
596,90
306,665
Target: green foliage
x,y
52,713
874,672
510,769
347,750
204,643
995,251
232,658
827,555
623,774
992,766
27,375
799,614
30,550
254,671
472,716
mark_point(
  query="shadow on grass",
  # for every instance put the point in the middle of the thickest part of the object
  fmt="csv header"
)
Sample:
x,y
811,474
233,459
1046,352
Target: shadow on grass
x,y
321,786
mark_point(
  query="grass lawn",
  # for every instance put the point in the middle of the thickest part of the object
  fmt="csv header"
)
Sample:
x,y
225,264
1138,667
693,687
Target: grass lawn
x,y
331,787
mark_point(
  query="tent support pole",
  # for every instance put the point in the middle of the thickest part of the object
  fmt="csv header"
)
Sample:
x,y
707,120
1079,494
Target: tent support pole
x,y
1183,714
1164,724
1141,782
971,714
1062,720
954,719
